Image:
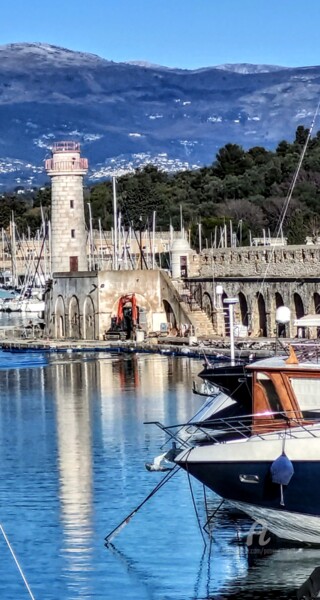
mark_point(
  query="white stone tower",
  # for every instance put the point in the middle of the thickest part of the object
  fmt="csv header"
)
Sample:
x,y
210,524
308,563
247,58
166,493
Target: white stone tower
x,y
68,232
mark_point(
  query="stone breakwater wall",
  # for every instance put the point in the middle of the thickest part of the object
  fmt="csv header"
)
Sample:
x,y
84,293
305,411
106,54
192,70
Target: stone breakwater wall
x,y
284,261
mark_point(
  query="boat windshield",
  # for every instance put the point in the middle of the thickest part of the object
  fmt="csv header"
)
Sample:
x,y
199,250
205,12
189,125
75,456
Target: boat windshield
x,y
271,394
306,391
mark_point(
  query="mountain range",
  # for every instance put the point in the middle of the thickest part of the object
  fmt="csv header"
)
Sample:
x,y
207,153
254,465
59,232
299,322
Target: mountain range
x,y
129,114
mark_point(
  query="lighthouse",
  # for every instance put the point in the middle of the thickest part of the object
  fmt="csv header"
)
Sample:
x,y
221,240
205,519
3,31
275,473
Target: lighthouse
x,y
66,169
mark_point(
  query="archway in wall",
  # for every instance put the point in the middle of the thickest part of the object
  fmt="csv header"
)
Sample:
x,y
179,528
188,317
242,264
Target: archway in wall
x,y
127,320
60,316
89,329
171,319
197,294
299,310
280,327
316,300
243,305
298,306
74,318
207,305
278,300
262,316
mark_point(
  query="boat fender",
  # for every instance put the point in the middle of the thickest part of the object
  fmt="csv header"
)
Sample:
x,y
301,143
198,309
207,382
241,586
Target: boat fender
x,y
281,472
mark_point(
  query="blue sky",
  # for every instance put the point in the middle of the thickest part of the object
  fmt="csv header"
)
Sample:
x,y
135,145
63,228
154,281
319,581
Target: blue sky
x,y
182,33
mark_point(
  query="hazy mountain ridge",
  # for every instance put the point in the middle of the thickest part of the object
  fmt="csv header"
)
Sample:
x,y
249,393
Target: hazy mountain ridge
x,y
134,113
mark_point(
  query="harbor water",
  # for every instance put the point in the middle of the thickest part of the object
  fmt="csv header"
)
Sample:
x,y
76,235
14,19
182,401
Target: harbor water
x,y
73,448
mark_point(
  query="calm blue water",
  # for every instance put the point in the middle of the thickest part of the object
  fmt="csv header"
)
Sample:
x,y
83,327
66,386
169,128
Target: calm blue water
x,y
72,452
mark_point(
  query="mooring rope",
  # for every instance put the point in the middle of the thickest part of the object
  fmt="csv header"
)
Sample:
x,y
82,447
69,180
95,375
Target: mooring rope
x,y
128,518
17,562
193,499
205,527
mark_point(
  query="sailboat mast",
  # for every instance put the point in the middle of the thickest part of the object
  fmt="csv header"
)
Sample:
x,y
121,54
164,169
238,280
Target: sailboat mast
x,y
153,237
101,251
13,251
115,225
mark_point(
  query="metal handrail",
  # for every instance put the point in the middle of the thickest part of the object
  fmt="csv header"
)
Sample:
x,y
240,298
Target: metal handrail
x,y
243,426
66,146
66,165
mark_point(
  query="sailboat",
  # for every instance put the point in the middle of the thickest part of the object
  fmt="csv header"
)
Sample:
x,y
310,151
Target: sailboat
x,y
29,297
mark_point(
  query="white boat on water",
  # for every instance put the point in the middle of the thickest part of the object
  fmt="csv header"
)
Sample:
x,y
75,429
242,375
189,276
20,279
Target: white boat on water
x,y
32,305
267,463
31,302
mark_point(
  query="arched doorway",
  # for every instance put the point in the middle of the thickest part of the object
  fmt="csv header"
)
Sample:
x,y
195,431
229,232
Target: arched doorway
x,y
196,292
280,327
89,329
278,300
262,332
298,306
299,310
243,305
316,300
60,318
74,318
170,316
127,319
207,305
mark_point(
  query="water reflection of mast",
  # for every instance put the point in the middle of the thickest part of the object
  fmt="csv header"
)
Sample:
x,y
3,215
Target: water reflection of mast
x,y
72,382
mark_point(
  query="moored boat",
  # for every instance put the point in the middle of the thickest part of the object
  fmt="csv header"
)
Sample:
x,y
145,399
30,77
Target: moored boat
x,y
281,436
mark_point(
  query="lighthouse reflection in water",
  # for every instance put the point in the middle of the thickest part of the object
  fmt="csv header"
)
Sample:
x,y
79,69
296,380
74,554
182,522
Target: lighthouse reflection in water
x,y
73,446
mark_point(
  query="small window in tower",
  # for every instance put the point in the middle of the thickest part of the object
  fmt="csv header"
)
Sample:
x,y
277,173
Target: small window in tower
x,y
73,233
71,204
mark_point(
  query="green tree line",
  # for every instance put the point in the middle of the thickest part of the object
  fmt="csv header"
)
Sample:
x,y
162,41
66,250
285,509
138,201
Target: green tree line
x,y
241,186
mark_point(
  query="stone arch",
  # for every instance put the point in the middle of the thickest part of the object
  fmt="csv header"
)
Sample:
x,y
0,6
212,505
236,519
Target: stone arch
x,y
143,306
60,318
299,310
170,316
207,305
260,316
74,318
89,329
243,306
316,300
281,328
197,294
278,300
298,305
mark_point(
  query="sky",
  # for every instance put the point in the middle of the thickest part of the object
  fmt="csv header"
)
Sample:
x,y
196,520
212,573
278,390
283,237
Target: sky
x,y
176,33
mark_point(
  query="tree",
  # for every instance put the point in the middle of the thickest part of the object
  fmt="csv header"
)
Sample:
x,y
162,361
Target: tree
x,y
232,160
301,135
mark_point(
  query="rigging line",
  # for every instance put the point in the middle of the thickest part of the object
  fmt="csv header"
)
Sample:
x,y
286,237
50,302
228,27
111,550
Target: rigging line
x,y
212,517
125,521
17,563
294,181
39,262
193,499
288,199
291,190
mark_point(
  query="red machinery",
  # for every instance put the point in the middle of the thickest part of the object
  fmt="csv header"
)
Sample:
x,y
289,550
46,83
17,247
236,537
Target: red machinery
x,y
122,302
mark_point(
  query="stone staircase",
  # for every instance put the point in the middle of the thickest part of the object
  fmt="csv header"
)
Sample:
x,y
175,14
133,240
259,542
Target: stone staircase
x,y
200,321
